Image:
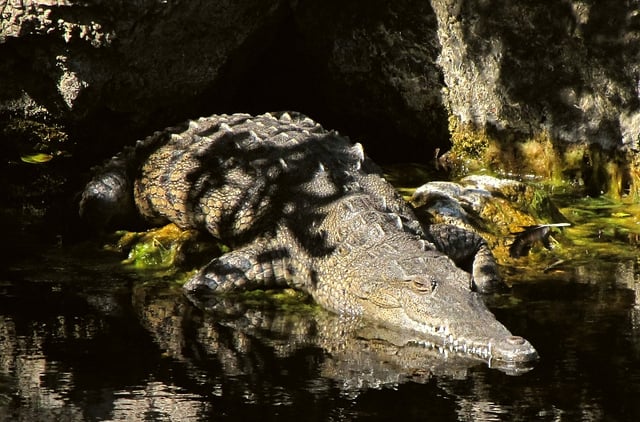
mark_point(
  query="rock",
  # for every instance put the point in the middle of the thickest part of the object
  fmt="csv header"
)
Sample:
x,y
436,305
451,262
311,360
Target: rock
x,y
379,73
546,88
526,84
570,68
75,60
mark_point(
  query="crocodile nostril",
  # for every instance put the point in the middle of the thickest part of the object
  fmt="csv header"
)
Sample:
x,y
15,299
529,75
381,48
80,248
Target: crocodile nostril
x,y
515,340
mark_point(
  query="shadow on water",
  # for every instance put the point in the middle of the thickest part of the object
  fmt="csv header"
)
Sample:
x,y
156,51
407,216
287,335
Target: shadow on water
x,y
82,342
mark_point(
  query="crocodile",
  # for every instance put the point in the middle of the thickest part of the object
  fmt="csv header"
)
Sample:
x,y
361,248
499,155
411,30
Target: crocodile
x,y
304,207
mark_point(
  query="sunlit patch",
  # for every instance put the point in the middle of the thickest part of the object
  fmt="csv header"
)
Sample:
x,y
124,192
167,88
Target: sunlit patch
x,y
167,249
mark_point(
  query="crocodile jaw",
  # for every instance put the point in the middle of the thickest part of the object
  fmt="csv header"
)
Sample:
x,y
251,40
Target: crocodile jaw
x,y
452,316
485,339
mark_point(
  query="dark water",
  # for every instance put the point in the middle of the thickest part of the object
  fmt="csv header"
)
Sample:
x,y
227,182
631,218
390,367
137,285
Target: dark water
x,y
80,341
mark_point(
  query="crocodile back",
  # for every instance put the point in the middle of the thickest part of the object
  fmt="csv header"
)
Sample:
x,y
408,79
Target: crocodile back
x,y
237,176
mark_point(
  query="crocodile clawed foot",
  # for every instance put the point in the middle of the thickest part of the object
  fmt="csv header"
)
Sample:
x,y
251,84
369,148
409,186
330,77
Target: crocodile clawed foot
x,y
486,283
217,277
202,281
230,272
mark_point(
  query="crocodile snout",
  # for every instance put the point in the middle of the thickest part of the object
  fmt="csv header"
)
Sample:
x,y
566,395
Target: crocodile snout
x,y
513,350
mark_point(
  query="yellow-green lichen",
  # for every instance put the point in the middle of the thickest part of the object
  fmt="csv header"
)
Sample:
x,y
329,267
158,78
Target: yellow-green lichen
x,y
469,143
538,156
533,157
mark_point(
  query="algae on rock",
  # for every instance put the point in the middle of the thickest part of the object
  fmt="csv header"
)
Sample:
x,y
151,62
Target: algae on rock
x,y
496,208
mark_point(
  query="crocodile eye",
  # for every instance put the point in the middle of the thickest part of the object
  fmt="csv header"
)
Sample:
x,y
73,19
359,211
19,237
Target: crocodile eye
x,y
424,286
419,286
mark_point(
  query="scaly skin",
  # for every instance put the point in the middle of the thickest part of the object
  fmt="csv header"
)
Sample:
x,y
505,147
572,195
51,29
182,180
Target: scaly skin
x,y
304,207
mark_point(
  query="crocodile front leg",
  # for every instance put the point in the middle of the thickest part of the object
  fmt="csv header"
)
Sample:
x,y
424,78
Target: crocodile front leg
x,y
469,251
253,266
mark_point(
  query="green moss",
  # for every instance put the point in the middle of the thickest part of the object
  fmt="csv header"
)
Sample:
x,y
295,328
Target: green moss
x,y
468,142
538,156
167,250
152,254
287,300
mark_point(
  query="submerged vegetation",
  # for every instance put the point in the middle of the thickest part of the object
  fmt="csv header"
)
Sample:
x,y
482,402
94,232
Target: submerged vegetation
x,y
603,227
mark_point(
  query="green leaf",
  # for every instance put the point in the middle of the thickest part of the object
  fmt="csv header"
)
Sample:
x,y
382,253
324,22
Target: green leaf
x,y
620,215
37,158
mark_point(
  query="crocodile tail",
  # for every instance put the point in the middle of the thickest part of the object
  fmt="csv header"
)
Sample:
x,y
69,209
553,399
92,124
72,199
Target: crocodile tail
x,y
107,200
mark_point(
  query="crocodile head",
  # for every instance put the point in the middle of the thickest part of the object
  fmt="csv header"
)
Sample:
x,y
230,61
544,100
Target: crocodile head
x,y
439,307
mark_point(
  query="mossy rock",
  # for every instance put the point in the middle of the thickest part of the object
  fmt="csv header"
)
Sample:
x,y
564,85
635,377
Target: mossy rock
x,y
589,167
496,208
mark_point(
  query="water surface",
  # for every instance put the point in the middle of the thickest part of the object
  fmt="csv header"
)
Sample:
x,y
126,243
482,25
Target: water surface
x,y
81,339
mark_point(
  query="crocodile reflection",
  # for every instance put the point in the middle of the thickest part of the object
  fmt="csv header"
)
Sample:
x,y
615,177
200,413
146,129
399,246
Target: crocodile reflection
x,y
238,336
